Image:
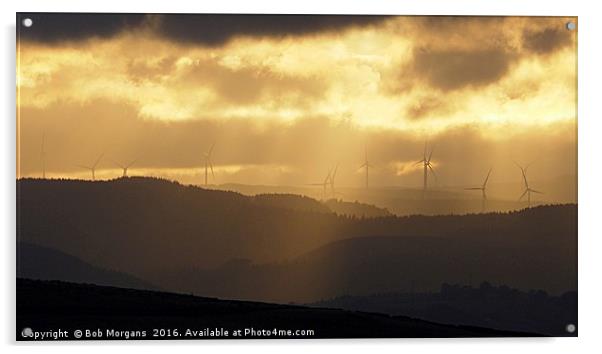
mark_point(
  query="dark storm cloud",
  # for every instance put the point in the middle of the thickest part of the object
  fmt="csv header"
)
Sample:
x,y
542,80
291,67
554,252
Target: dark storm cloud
x,y
457,24
455,69
204,29
58,27
546,41
215,30
453,53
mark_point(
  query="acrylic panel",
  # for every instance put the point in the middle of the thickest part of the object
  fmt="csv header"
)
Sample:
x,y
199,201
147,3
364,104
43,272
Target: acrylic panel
x,y
205,176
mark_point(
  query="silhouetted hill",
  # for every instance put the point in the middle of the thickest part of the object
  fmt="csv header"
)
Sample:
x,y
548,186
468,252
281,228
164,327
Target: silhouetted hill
x,y
290,202
43,305
357,209
366,265
163,223
178,237
437,201
404,201
43,263
305,204
489,306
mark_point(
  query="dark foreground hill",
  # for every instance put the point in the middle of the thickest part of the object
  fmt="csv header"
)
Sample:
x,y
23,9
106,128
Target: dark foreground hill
x,y
35,262
368,265
119,313
498,307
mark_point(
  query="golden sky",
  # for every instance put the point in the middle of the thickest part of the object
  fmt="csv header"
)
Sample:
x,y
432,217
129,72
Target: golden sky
x,y
284,99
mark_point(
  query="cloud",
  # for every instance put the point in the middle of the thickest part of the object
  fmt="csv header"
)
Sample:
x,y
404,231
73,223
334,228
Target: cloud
x,y
51,28
202,29
428,106
455,69
403,73
547,40
215,30
249,84
456,64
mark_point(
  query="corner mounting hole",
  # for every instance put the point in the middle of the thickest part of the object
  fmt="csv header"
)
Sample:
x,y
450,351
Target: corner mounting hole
x,y
571,26
27,22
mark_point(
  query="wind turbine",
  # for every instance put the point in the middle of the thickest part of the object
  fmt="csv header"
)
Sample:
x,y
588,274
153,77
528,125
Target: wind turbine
x,y
208,163
43,156
366,165
528,190
93,167
324,184
426,163
125,167
482,189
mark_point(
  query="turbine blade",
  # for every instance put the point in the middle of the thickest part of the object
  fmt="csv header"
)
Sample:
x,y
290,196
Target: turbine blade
x,y
334,173
211,166
474,189
211,149
98,160
430,155
117,164
433,171
522,170
487,178
131,163
328,176
523,195
534,191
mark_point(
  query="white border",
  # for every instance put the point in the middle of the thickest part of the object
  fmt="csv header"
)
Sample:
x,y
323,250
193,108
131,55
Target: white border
x,y
589,168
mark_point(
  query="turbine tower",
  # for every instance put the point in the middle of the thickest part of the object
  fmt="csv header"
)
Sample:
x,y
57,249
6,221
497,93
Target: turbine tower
x,y
93,167
482,188
324,184
334,173
125,167
528,190
209,163
43,156
427,165
366,165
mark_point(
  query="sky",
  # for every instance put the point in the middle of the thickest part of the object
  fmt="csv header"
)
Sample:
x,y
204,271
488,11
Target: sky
x,y
286,98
